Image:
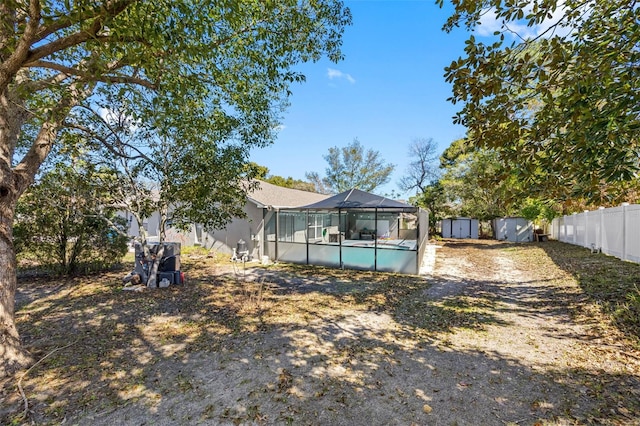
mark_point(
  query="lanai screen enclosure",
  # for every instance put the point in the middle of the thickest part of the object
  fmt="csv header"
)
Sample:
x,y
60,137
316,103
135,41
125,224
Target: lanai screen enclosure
x,y
354,230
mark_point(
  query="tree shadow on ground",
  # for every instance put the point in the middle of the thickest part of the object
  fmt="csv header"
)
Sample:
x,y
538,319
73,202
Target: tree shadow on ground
x,y
612,284
334,352
108,336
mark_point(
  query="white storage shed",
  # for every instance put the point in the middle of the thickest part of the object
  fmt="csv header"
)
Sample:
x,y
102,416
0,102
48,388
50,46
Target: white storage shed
x,y
514,229
459,227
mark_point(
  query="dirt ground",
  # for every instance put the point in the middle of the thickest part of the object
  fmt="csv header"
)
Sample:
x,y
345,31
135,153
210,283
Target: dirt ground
x,y
493,334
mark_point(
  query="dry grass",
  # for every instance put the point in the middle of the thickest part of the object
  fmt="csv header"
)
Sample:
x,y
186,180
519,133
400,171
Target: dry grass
x,y
118,336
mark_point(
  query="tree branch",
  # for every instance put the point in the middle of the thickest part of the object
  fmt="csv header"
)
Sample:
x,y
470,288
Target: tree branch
x,y
25,171
35,85
111,8
79,37
10,66
111,223
24,396
87,76
122,144
110,147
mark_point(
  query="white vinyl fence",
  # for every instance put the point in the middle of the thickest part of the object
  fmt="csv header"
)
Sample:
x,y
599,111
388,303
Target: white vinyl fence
x,y
615,231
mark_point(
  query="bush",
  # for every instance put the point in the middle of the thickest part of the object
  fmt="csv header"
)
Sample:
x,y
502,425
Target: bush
x,y
61,226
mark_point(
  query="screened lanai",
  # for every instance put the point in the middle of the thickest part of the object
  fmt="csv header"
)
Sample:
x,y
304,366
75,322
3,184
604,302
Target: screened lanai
x,y
354,230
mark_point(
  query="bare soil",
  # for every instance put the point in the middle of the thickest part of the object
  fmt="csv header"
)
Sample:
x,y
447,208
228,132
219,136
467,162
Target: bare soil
x,y
494,334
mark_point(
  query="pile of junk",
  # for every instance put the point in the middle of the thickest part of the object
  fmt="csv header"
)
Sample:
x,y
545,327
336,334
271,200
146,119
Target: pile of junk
x,y
154,270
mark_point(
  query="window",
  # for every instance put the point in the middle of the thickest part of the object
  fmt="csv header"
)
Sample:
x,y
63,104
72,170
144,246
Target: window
x,y
316,226
292,227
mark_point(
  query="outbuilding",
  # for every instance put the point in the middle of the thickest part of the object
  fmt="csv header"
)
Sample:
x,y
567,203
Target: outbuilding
x,y
459,227
514,229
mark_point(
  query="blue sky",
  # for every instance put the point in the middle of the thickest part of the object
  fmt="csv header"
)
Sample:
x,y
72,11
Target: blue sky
x,y
388,91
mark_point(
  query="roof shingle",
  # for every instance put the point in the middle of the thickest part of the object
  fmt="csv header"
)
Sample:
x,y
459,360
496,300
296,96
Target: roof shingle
x,y
281,197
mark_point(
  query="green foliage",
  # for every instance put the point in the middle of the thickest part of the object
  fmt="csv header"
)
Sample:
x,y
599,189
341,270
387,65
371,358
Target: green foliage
x,y
181,143
62,224
456,149
434,199
351,167
262,173
184,174
532,210
563,107
290,182
537,211
209,77
222,73
477,184
207,186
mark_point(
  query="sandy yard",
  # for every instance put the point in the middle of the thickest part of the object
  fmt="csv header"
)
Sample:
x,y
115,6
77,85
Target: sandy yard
x,y
492,334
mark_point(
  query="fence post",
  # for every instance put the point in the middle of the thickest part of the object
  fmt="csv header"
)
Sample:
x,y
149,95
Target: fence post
x,y
586,242
601,230
575,228
624,230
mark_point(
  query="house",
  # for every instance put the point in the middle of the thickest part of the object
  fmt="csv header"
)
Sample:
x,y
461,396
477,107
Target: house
x,y
459,227
353,229
260,206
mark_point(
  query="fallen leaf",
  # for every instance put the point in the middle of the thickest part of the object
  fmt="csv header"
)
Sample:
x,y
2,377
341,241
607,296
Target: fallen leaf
x,y
427,408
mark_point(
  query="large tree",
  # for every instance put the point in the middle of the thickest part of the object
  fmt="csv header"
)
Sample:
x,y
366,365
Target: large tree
x,y
186,175
555,92
352,167
476,183
422,170
215,62
433,198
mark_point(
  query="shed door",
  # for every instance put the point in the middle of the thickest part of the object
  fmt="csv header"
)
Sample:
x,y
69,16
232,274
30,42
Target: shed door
x,y
512,230
501,229
462,229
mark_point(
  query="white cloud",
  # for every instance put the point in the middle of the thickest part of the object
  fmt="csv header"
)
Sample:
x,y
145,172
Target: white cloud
x,y
490,23
107,115
333,73
113,118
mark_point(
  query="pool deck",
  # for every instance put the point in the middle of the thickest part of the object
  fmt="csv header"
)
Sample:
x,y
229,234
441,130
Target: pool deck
x,y
428,260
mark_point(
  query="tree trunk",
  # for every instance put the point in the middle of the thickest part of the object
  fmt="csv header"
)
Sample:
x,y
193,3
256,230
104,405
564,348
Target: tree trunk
x,y
13,182
153,268
13,356
152,280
